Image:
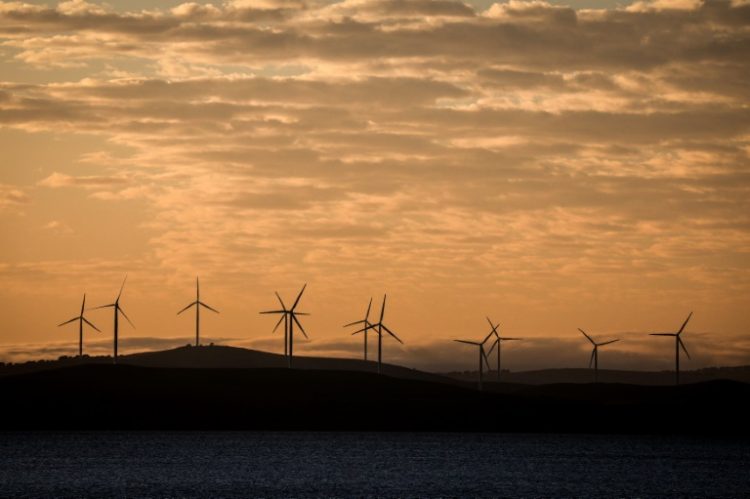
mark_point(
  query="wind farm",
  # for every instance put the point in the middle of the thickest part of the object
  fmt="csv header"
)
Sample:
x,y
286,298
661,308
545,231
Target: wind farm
x,y
222,370
289,317
374,248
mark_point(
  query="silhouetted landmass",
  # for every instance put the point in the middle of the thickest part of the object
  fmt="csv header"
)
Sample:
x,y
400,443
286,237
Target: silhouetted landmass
x,y
572,375
129,397
217,356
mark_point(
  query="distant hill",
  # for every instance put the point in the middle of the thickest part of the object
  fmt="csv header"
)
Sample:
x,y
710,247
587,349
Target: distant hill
x,y
218,356
549,376
226,357
129,397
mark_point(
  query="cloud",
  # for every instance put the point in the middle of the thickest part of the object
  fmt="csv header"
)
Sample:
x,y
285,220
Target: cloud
x,y
12,197
58,227
57,180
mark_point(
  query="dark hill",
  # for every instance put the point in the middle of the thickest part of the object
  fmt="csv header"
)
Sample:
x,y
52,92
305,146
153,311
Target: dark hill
x,y
226,357
108,397
575,375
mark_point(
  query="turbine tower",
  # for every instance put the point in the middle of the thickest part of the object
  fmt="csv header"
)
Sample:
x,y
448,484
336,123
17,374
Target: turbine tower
x,y
498,341
677,345
117,311
595,353
289,317
197,304
81,319
379,327
366,322
482,356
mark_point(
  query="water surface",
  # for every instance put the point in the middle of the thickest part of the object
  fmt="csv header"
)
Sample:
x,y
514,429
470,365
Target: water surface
x,y
207,464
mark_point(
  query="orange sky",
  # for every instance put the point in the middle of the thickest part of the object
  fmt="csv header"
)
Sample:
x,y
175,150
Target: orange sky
x,y
550,166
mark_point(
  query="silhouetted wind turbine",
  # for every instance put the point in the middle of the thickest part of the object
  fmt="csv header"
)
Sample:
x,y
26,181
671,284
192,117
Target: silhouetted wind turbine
x,y
366,322
197,304
81,319
289,317
595,353
677,344
498,341
482,355
379,327
117,311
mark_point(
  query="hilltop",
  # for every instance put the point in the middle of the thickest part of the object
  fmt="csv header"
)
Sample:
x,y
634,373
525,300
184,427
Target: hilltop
x,y
219,356
579,375
226,357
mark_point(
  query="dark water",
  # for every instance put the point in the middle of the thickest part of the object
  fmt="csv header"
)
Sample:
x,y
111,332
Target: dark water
x,y
204,464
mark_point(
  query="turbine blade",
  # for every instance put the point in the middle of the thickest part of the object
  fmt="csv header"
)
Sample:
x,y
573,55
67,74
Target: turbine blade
x,y
208,307
68,322
90,324
510,339
281,319
369,326
122,287
299,296
608,342
662,334
488,336
591,360
355,322
382,310
280,300
83,304
181,311
587,336
494,344
125,315
103,306
273,312
468,342
685,323
294,318
484,356
369,306
392,334
679,340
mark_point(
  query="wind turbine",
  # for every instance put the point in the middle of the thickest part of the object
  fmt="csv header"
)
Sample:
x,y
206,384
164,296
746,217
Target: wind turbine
x,y
498,341
595,353
81,319
289,317
117,311
366,322
677,344
197,304
379,327
482,355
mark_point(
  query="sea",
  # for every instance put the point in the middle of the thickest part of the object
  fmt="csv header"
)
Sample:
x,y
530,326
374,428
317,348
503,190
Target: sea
x,y
413,465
